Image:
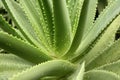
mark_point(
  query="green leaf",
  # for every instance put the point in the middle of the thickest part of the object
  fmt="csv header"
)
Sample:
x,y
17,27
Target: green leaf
x,y
114,67
86,20
108,14
7,28
7,74
87,17
11,64
33,12
12,67
22,49
57,68
106,39
46,7
101,75
110,55
109,1
11,58
1,5
70,5
75,7
63,34
79,73
21,21
101,5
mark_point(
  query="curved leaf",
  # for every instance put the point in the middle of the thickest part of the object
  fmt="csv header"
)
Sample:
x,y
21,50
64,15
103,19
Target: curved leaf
x,y
11,58
7,28
101,23
114,67
63,34
86,20
106,39
79,73
10,65
22,49
101,75
46,7
101,5
33,11
75,8
56,68
108,14
21,21
110,55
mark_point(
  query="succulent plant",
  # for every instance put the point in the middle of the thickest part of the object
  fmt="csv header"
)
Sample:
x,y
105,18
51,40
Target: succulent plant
x,y
60,40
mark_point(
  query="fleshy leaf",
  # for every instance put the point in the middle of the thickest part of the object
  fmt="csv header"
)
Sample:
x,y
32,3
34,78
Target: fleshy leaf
x,y
106,39
33,12
75,7
46,7
85,21
11,58
22,49
108,14
79,73
110,55
57,68
10,65
7,28
87,16
101,75
114,67
21,21
101,5
63,34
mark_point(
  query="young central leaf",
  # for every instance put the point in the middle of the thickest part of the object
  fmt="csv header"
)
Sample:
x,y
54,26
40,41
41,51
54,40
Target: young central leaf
x,y
62,26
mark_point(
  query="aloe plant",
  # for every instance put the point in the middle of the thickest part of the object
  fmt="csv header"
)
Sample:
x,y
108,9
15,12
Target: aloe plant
x,y
60,40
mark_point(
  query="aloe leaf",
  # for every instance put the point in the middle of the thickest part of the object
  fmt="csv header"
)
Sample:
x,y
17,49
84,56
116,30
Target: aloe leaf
x,y
1,50
46,7
63,34
110,55
1,5
74,7
87,17
70,5
7,74
33,11
100,24
7,28
101,5
50,78
101,75
114,67
109,1
22,22
22,49
10,65
106,39
56,68
11,58
86,20
79,73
